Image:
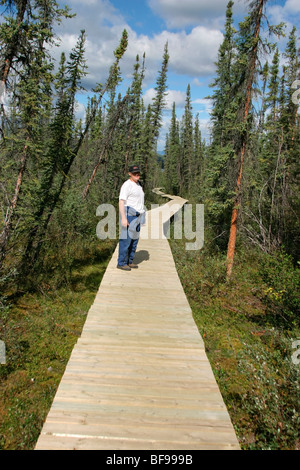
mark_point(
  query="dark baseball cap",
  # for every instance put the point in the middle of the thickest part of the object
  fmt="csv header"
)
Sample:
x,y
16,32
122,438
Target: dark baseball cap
x,y
134,169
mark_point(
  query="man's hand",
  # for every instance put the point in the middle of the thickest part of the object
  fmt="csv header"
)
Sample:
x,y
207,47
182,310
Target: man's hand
x,y
125,222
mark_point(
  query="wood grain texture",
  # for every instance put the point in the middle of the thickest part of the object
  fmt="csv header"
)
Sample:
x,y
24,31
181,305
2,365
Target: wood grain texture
x,y
138,377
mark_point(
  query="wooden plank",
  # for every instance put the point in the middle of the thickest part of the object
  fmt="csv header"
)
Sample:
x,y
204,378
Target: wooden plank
x,y
84,442
139,377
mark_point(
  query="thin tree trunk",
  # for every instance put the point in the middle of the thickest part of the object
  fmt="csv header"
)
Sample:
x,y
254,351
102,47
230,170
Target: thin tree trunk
x,y
241,153
234,216
5,235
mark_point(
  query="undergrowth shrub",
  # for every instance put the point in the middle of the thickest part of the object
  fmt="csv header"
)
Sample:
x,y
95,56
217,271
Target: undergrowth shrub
x,y
282,282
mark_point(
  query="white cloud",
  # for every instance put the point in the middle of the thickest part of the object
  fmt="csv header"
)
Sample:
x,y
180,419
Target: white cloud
x,y
172,96
194,53
148,96
292,6
205,104
177,97
84,2
191,53
197,82
285,13
68,41
179,13
205,128
80,110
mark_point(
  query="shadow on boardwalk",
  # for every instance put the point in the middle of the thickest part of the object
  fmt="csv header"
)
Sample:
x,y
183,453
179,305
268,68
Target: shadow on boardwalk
x,y
141,255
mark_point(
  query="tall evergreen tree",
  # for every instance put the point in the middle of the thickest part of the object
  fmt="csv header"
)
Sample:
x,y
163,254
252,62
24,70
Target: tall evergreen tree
x,y
197,164
223,97
187,145
172,156
56,164
153,119
133,151
23,40
159,99
219,187
248,46
273,89
115,112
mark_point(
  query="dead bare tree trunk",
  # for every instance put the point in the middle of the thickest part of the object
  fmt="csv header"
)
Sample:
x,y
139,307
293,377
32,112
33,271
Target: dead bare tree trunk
x,y
5,235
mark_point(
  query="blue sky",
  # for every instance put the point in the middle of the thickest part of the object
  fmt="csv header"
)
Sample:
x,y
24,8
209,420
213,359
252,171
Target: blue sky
x,y
193,29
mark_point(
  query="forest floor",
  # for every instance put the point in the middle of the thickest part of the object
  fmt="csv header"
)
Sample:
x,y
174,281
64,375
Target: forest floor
x,y
40,329
248,342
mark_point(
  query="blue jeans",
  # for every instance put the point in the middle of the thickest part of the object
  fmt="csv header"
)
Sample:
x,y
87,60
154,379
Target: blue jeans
x,y
129,237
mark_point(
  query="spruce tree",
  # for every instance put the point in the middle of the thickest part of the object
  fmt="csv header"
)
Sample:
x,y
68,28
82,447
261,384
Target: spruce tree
x,y
24,38
224,84
56,164
219,182
187,170
172,156
248,47
197,164
153,120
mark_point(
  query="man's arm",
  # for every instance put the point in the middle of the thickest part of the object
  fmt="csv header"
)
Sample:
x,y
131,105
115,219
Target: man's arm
x,y
122,213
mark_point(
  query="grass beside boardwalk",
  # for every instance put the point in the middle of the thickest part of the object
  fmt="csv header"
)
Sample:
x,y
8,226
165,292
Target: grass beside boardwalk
x,y
40,329
248,326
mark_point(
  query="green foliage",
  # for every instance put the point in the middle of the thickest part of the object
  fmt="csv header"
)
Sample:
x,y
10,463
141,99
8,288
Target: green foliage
x,y
48,159
40,329
160,88
184,153
173,157
282,286
248,343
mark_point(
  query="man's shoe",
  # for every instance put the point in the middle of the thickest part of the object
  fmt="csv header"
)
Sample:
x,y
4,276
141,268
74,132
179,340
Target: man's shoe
x,y
133,265
124,268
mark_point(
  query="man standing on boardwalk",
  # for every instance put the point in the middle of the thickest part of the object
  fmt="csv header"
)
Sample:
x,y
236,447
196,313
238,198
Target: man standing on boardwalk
x,y
131,206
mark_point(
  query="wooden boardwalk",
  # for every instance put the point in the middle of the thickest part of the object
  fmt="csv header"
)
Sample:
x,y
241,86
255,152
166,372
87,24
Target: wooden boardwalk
x,y
138,377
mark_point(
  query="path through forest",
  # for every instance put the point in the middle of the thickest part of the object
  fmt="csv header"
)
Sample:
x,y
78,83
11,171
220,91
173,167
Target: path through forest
x,y
139,377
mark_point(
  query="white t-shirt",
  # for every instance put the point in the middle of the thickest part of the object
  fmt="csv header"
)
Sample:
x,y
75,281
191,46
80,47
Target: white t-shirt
x,y
133,195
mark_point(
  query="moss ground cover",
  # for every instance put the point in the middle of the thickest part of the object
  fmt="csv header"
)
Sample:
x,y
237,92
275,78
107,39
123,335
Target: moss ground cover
x,y
248,335
40,328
